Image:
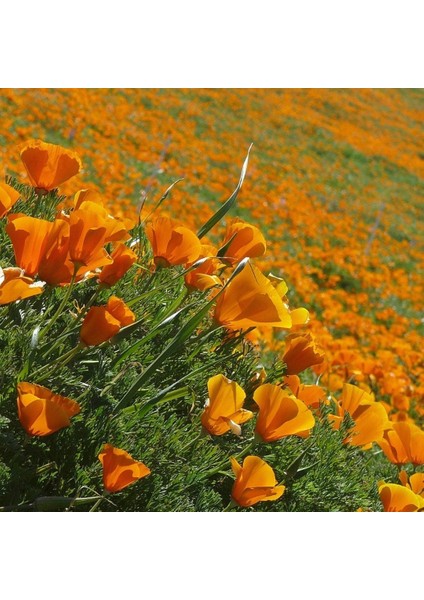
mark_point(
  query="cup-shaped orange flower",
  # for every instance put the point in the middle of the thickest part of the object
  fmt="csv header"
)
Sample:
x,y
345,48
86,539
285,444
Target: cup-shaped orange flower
x,y
312,395
204,276
120,469
49,165
120,311
370,417
255,482
29,237
243,240
15,286
301,352
403,442
123,258
250,300
8,197
281,414
415,482
41,411
88,233
172,244
398,498
101,323
224,407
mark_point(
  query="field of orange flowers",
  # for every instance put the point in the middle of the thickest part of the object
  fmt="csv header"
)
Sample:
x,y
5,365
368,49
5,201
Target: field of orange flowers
x,y
312,283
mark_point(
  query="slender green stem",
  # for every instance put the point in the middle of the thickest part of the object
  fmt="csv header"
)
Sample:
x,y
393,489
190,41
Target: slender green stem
x,y
60,362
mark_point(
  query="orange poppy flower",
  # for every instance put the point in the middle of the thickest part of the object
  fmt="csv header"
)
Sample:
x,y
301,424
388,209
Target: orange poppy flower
x,y
120,469
397,498
101,323
15,286
255,482
171,243
123,258
49,165
415,482
370,417
8,197
223,410
88,234
55,266
29,237
203,277
281,414
246,240
41,411
301,352
249,300
120,311
312,395
403,442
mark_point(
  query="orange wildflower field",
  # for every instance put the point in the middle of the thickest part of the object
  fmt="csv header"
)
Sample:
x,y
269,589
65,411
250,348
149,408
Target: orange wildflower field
x,y
313,283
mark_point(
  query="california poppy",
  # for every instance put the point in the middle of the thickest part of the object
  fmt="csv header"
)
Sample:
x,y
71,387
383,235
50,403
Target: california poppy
x,y
88,234
123,258
250,300
255,482
204,276
281,414
41,411
101,323
403,442
370,417
8,197
242,240
120,469
14,285
120,311
414,482
312,395
49,165
172,244
224,408
301,352
29,237
398,498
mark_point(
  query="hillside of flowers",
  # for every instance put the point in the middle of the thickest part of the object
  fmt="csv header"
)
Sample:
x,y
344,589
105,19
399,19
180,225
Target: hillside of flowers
x,y
211,300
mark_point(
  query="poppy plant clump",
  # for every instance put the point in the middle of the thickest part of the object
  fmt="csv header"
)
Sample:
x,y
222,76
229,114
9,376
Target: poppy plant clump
x,y
276,331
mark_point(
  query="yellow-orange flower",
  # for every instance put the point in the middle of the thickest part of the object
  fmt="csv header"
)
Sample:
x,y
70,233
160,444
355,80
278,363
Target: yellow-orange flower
x,y
312,395
101,323
15,286
415,482
123,258
250,300
120,311
370,417
255,482
8,197
301,352
281,414
29,237
49,165
172,244
246,240
224,408
203,277
41,411
88,234
403,442
120,469
398,498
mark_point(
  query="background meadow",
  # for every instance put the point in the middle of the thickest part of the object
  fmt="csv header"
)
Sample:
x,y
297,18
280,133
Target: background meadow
x,y
335,184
